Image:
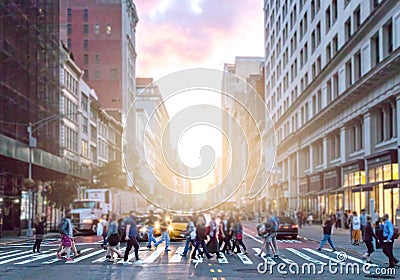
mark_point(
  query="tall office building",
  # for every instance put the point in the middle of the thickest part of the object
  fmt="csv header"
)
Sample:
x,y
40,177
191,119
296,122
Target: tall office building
x,y
332,85
101,36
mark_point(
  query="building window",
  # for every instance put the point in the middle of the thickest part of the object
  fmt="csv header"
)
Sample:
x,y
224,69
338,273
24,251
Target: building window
x,y
86,74
334,11
86,58
69,28
97,75
388,38
335,86
108,29
356,134
85,14
348,73
97,29
69,14
357,66
328,53
97,58
347,29
328,91
69,44
85,151
335,45
375,57
84,102
85,43
114,74
86,29
328,19
85,125
356,19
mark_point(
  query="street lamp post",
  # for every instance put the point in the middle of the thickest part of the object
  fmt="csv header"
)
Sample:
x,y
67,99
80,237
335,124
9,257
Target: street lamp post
x,y
32,144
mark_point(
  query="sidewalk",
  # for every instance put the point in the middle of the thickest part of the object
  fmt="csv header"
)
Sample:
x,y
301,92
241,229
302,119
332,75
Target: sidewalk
x,y
341,238
10,239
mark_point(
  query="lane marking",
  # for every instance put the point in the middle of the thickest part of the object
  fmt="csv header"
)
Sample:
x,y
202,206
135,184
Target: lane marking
x,y
212,270
304,256
177,256
219,270
103,259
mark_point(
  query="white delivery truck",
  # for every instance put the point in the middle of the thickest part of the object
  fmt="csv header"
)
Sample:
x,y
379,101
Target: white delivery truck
x,y
87,213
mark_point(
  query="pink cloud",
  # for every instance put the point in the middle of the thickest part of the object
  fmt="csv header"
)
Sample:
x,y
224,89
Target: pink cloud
x,y
177,37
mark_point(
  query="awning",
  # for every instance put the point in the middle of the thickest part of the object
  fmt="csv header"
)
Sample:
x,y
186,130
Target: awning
x,y
364,188
392,185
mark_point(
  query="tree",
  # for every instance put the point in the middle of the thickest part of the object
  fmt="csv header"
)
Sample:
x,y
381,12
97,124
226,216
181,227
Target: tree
x,y
108,176
62,193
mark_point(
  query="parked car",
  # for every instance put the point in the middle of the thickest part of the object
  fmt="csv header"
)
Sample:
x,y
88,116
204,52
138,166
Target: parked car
x,y
287,227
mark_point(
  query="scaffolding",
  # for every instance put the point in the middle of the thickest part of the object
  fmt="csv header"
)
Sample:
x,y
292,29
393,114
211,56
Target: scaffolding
x,y
29,70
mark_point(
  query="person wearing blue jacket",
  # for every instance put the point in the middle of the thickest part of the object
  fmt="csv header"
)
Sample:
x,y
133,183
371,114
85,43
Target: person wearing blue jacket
x,y
388,239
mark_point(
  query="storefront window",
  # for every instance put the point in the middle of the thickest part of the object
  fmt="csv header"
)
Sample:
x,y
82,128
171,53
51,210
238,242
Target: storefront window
x,y
387,172
395,171
379,173
380,192
371,175
363,200
356,199
388,203
396,201
346,180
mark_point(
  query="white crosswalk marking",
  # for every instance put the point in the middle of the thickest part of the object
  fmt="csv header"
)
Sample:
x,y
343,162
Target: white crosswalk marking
x,y
264,256
78,259
30,254
352,258
321,255
14,255
288,241
304,256
244,258
37,257
223,259
56,259
7,253
102,259
154,255
177,256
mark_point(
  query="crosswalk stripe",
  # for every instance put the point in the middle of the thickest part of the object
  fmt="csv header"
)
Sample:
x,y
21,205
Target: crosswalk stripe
x,y
321,255
177,256
30,254
37,257
14,255
304,256
244,258
102,259
78,259
154,255
10,252
264,256
56,259
223,259
352,258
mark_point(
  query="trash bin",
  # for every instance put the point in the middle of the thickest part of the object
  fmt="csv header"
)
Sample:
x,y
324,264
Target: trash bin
x,y
379,234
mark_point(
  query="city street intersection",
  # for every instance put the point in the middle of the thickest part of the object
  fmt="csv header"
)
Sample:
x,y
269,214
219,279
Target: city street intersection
x,y
296,258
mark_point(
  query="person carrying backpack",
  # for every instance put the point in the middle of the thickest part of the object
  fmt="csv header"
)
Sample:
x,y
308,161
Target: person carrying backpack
x,y
265,231
66,238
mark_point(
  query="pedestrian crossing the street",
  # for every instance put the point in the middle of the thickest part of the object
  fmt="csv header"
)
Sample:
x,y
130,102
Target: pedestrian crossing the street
x,y
95,256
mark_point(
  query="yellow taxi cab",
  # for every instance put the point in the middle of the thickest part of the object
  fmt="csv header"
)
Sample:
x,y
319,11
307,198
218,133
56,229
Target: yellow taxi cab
x,y
177,226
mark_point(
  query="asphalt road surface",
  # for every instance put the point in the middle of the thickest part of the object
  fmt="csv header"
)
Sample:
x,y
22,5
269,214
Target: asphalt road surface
x,y
298,259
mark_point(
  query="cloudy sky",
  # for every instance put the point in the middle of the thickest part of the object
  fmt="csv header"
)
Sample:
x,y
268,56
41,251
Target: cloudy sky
x,y
173,35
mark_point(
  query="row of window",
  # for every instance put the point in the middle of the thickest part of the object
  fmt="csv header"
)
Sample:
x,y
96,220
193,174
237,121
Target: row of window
x,y
96,58
86,29
70,82
85,14
383,128
113,75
